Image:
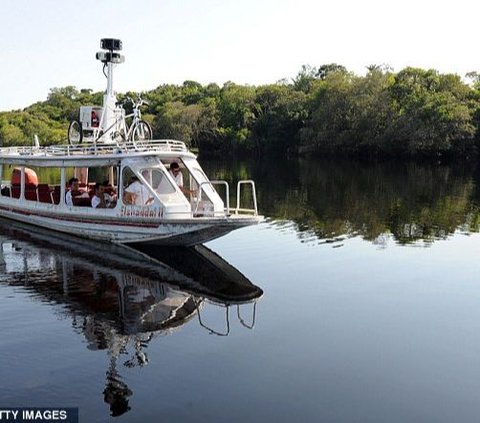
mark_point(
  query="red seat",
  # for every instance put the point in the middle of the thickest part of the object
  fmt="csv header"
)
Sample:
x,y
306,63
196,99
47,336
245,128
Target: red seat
x,y
82,202
45,194
15,191
31,192
56,194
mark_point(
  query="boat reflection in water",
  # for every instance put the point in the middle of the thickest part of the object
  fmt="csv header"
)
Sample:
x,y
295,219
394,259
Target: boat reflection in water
x,y
120,299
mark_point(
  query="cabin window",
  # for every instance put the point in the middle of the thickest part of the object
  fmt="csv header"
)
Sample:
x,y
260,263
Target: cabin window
x,y
88,177
135,192
39,184
5,189
43,184
189,181
159,181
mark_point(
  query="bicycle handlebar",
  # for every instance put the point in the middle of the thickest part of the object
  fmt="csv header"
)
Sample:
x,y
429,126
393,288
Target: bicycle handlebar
x,y
139,102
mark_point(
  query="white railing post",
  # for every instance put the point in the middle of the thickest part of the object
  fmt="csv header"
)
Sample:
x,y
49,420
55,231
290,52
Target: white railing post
x,y
227,193
254,195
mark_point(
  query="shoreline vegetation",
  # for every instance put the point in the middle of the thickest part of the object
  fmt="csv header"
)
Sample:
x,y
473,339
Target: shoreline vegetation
x,y
322,111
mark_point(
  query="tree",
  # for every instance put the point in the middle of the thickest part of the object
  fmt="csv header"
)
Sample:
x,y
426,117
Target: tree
x,y
433,112
178,121
305,79
325,70
280,112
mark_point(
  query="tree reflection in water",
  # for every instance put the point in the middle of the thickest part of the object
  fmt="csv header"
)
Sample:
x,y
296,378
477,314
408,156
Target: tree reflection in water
x,y
327,200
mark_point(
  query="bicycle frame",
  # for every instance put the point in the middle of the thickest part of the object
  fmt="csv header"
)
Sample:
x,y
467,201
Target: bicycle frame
x,y
120,128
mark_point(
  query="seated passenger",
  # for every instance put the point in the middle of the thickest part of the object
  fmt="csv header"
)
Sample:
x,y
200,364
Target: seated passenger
x,y
176,173
109,188
136,193
177,176
74,192
102,200
110,197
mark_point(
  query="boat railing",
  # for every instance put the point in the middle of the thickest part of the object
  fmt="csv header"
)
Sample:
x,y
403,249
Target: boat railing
x,y
241,184
237,210
226,306
96,148
211,183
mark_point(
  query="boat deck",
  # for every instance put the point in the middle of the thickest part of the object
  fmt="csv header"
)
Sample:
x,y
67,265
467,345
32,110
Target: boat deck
x,y
152,146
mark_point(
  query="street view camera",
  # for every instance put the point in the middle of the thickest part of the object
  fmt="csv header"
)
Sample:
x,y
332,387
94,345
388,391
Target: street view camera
x,y
111,56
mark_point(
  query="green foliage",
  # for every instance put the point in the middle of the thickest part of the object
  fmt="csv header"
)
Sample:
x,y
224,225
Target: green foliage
x,y
177,120
433,112
413,112
322,110
278,115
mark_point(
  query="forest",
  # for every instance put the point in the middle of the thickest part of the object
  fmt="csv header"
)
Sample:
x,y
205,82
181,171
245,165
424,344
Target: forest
x,y
321,111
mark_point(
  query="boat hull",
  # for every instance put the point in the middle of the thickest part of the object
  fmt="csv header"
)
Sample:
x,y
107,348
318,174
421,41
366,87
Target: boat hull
x,y
107,225
197,270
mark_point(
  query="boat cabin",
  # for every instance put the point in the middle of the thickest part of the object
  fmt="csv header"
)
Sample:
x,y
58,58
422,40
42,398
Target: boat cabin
x,y
44,179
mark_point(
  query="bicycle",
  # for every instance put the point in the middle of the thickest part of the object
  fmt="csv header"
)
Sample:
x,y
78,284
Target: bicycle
x,y
139,132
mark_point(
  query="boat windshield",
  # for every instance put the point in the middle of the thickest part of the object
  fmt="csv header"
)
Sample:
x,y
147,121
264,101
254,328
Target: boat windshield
x,y
158,181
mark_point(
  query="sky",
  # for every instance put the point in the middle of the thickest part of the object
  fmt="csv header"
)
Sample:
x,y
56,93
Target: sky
x,y
52,43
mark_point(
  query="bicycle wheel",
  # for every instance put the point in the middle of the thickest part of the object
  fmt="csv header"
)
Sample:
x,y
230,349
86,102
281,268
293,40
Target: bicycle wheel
x,y
142,133
75,134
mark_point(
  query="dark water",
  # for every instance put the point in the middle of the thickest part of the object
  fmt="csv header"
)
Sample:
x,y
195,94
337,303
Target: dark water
x,y
358,300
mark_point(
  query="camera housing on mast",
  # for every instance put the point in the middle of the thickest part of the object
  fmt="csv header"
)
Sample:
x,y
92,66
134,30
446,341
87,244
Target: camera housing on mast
x,y
111,56
112,44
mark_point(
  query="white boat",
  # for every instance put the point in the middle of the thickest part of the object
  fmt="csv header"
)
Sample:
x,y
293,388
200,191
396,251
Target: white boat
x,y
167,218
170,215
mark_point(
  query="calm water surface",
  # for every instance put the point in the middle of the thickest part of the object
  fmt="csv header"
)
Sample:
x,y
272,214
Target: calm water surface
x,y
358,300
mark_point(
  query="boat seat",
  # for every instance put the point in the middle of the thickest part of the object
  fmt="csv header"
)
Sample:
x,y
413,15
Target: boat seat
x,y
31,192
15,191
82,202
44,193
56,194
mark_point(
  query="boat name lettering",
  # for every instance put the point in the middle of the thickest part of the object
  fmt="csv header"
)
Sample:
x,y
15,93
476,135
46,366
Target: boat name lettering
x,y
140,212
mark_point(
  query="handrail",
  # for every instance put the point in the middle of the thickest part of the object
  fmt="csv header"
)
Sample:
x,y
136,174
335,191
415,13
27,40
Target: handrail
x,y
254,194
237,210
211,183
227,193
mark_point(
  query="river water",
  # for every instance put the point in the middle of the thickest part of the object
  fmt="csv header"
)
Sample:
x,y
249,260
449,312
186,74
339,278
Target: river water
x,y
358,300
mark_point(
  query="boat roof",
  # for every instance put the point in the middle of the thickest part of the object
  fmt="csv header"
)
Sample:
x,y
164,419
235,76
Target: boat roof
x,y
91,154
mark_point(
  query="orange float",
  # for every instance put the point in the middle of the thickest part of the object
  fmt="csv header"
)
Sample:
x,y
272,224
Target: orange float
x,y
30,176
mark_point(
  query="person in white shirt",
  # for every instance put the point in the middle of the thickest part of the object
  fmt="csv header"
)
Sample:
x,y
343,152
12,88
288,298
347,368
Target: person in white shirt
x,y
136,193
101,200
177,176
73,192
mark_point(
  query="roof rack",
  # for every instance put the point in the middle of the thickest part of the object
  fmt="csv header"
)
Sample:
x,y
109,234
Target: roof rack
x,y
150,146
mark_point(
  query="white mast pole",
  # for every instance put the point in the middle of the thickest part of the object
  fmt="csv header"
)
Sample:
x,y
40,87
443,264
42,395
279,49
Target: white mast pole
x,y
109,58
